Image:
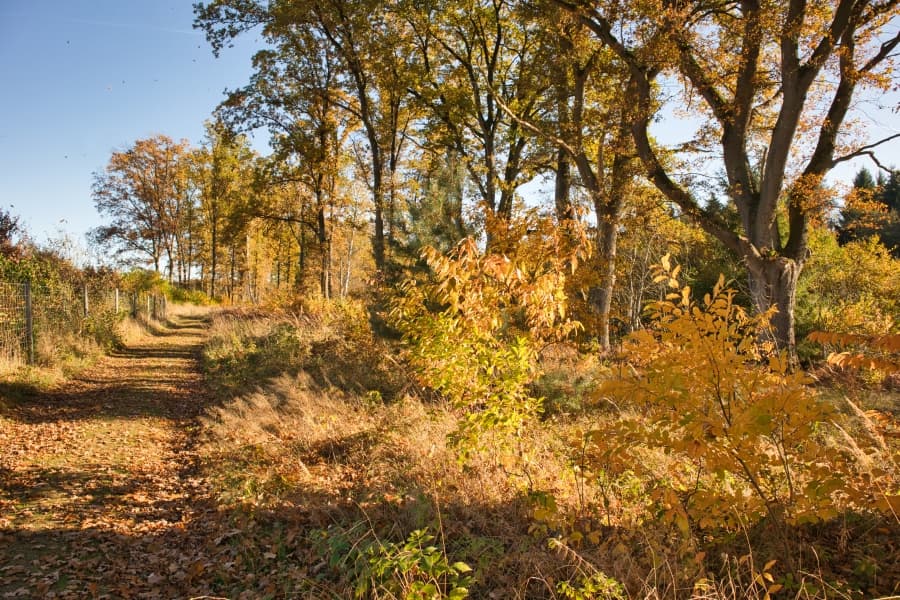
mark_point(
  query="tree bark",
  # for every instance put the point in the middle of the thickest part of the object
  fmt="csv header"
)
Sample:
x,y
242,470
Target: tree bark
x,y
773,283
214,241
607,244
325,249
562,187
378,199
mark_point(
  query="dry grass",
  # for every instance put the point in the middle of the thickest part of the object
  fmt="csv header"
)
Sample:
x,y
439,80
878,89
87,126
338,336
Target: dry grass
x,y
61,355
303,437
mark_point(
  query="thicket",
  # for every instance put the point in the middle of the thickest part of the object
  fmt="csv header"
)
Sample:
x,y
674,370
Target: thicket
x,y
64,335
697,461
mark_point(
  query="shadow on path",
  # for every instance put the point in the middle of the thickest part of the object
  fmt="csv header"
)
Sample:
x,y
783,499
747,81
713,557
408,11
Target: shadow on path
x,y
99,486
157,377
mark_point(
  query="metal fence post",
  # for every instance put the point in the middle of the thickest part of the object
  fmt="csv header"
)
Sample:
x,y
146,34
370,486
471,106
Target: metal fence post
x,y
29,324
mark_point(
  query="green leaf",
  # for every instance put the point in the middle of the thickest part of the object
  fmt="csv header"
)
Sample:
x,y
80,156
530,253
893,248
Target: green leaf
x,y
461,567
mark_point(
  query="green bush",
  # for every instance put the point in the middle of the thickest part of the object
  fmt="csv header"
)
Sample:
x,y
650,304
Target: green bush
x,y
415,569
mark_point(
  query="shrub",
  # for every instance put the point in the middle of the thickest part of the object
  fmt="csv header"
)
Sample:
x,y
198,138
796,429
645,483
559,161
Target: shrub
x,y
415,569
848,289
182,295
475,328
744,433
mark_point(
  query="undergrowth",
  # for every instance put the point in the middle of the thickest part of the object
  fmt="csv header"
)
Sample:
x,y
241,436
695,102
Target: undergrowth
x,y
341,468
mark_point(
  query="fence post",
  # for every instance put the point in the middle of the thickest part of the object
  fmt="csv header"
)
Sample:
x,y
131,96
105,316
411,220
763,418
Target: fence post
x,y
85,293
29,323
149,313
117,301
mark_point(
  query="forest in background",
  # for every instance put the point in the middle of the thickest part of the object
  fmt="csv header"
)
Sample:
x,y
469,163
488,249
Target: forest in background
x,y
397,127
674,376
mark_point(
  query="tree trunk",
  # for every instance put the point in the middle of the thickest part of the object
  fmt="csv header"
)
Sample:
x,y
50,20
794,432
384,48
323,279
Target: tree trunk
x,y
607,245
213,256
325,249
564,211
378,200
773,283
301,256
190,256
170,266
345,277
231,275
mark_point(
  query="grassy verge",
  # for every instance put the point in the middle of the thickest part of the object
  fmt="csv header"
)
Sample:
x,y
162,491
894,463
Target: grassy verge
x,y
60,355
340,478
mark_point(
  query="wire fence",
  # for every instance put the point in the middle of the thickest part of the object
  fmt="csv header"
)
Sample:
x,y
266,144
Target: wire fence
x,y
15,344
31,317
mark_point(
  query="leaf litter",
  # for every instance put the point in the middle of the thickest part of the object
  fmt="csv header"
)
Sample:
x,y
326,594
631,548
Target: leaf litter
x,y
101,495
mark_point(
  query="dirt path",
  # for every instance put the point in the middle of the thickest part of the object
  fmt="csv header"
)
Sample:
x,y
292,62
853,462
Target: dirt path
x,y
99,494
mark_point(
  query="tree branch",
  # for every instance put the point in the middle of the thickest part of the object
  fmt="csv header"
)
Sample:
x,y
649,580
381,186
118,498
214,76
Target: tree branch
x,y
867,151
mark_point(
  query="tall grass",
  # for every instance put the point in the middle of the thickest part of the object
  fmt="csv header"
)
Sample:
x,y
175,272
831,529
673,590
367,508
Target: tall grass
x,y
319,426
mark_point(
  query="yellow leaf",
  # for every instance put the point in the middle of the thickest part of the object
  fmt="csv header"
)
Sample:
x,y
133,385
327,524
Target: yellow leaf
x,y
681,521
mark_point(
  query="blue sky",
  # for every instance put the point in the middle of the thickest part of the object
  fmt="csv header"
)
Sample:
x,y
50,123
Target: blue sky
x,y
82,79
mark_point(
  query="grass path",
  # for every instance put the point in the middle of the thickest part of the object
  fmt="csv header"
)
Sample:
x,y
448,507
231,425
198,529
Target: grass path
x,y
99,488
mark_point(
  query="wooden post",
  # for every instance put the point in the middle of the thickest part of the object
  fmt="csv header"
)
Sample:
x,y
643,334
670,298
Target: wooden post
x,y
29,324
85,294
149,313
117,301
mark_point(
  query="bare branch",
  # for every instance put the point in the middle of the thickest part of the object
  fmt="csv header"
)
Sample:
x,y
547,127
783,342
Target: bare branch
x,y
867,151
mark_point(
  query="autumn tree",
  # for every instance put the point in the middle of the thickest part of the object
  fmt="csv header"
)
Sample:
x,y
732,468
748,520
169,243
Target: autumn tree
x,y
473,58
589,125
872,208
10,231
362,38
295,94
141,191
775,82
224,173
436,201
188,233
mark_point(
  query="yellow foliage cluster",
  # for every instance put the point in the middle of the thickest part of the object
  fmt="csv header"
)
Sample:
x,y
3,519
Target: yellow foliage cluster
x,y
848,289
745,435
475,326
857,351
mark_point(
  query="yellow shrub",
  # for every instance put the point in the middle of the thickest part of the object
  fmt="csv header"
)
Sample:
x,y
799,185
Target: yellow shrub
x,y
744,432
